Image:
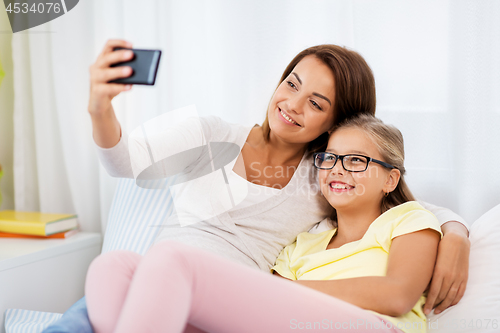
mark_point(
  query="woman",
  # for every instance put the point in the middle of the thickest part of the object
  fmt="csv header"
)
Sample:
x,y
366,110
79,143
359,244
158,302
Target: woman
x,y
379,257
321,87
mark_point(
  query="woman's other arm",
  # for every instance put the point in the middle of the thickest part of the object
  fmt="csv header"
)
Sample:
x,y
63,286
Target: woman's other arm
x,y
452,265
411,262
452,269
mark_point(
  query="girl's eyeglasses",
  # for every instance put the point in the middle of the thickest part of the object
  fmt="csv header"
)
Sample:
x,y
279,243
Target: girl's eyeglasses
x,y
351,162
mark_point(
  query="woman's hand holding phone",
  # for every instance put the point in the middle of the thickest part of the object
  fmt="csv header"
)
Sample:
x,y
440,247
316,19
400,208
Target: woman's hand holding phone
x,y
102,92
106,128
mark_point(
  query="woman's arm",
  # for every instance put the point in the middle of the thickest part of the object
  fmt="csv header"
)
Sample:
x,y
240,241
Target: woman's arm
x,y
106,129
105,126
411,262
452,268
145,156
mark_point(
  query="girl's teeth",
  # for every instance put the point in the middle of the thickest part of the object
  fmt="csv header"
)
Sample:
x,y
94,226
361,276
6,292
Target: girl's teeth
x,y
339,187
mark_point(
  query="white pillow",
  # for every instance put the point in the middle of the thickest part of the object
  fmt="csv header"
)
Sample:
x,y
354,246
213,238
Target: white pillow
x,y
479,309
136,214
26,321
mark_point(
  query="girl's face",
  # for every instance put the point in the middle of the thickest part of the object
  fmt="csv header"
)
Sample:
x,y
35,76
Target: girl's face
x,y
302,106
356,190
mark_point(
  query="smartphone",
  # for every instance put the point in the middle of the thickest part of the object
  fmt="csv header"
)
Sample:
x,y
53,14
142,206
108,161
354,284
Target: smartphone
x,y
144,66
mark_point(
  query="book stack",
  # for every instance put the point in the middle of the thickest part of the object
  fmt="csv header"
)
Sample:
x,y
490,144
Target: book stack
x,y
37,225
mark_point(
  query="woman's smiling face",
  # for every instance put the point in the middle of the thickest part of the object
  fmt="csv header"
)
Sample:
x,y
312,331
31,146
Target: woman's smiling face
x,y
355,190
302,106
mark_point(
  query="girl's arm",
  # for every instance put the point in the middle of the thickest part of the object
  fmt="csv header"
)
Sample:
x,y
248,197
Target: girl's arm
x,y
411,262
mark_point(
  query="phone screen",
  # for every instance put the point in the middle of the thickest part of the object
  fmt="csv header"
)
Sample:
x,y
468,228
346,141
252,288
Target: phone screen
x,y
144,65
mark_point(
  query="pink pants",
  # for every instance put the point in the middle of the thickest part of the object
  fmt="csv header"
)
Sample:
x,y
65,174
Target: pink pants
x,y
179,288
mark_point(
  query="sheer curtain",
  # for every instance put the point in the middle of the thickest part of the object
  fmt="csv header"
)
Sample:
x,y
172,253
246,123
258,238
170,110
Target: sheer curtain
x,y
435,65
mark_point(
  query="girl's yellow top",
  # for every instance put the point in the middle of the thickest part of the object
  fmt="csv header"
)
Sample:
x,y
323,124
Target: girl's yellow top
x,y
308,259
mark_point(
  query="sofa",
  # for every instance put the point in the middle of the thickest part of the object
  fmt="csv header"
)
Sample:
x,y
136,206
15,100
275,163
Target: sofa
x,y
136,208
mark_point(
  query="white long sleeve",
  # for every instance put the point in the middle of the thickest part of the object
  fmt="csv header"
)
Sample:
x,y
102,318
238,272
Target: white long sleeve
x,y
443,214
116,160
135,153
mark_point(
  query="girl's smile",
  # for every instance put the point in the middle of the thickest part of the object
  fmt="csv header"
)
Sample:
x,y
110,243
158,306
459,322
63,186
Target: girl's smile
x,y
338,186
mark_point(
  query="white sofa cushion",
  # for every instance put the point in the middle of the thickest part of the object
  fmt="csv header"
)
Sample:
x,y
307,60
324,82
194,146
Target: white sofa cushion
x,y
135,214
479,309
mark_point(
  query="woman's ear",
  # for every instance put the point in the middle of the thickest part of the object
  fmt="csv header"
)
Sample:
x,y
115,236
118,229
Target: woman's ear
x,y
392,180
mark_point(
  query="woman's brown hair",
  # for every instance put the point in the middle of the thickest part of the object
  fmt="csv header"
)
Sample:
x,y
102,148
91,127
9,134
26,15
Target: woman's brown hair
x,y
390,144
354,86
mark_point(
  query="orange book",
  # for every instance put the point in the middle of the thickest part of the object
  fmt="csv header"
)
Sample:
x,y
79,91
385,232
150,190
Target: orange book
x,y
65,234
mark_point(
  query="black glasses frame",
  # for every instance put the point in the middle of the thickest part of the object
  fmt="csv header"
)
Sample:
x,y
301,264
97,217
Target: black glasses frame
x,y
341,157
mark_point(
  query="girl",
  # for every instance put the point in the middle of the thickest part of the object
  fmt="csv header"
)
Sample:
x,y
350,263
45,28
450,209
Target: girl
x,y
372,267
